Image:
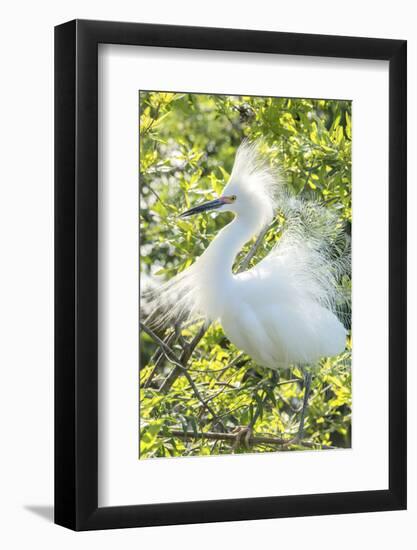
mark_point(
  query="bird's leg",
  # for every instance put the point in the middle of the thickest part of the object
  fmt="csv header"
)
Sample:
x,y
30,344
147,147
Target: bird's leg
x,y
307,387
244,434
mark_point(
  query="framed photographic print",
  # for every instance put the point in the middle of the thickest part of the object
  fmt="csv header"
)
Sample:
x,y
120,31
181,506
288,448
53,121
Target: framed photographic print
x,y
230,275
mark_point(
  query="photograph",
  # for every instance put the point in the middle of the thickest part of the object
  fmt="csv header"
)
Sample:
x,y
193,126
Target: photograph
x,y
245,274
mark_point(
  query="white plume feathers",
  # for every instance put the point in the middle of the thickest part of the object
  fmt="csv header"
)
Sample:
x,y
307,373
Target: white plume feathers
x,y
252,177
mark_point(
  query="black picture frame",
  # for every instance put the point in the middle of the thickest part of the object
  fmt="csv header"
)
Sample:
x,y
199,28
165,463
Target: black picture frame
x,y
76,272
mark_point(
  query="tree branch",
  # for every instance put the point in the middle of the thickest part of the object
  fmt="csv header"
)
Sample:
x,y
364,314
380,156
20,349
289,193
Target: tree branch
x,y
254,440
219,436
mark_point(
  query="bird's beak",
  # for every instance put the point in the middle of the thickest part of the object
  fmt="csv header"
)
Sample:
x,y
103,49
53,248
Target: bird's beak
x,y
210,205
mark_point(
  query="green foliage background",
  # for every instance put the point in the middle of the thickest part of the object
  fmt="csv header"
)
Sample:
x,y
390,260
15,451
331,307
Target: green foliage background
x,y
187,147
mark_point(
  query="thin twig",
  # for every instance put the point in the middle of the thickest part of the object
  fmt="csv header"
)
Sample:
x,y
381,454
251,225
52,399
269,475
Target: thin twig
x,y
203,401
181,365
163,345
155,194
251,253
158,360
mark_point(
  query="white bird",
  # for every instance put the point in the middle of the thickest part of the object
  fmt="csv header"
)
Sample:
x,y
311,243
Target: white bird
x,y
282,311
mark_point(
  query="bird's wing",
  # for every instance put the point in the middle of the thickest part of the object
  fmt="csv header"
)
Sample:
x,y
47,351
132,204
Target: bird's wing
x,y
310,259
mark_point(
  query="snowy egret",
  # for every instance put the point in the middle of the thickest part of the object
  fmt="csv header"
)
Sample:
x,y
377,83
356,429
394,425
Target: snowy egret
x,y
282,311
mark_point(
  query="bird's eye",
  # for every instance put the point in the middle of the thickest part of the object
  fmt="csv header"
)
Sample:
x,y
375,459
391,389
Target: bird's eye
x,y
233,198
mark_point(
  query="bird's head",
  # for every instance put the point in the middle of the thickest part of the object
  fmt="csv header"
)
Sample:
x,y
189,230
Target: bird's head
x,y
250,192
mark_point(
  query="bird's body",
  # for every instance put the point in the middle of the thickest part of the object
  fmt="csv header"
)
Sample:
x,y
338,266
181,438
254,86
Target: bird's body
x,y
265,311
282,310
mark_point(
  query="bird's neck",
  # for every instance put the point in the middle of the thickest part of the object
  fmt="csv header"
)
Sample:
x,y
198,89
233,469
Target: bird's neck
x,y
220,255
214,267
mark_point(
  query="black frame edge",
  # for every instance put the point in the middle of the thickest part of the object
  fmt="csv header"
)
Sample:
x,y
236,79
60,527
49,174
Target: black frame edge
x,y
241,509
398,274
65,257
241,40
